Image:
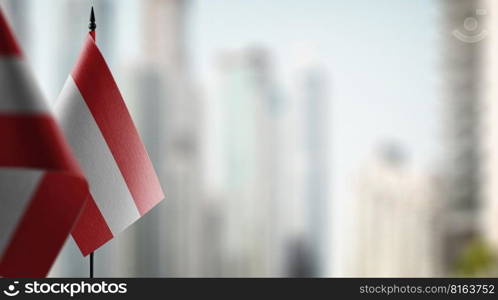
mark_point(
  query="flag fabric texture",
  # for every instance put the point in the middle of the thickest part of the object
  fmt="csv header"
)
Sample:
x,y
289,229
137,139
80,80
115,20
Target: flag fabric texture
x,y
42,189
96,122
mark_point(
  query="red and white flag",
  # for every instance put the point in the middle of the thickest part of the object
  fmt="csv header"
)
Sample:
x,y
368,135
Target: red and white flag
x,y
42,190
96,122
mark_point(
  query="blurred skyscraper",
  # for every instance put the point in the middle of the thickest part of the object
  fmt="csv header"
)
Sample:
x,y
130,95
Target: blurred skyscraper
x,y
172,118
317,141
490,128
462,94
252,113
396,218
309,251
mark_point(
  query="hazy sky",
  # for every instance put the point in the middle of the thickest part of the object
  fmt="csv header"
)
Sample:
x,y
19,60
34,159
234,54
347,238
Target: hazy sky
x,y
381,57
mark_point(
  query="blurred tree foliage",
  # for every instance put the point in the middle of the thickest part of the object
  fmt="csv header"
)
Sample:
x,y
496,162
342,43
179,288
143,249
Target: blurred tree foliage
x,y
477,259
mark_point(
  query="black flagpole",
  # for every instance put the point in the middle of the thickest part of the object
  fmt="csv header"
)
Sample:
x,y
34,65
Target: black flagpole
x,y
92,26
91,265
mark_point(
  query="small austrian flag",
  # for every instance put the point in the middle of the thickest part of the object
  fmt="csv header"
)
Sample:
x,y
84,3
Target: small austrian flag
x,y
96,122
42,190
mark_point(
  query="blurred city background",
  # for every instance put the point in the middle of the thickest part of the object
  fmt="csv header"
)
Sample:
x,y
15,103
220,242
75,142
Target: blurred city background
x,y
295,138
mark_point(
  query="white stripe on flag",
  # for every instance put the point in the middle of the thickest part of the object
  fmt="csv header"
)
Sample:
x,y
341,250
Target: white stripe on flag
x,y
18,187
19,92
107,184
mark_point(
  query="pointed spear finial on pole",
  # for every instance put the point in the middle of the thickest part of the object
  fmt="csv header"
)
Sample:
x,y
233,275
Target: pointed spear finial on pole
x,y
92,26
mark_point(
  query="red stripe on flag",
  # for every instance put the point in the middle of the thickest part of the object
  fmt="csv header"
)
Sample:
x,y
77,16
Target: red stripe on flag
x,y
8,44
47,222
91,231
102,96
34,141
